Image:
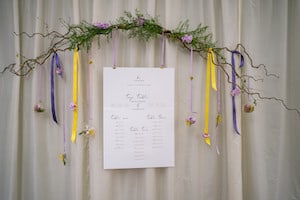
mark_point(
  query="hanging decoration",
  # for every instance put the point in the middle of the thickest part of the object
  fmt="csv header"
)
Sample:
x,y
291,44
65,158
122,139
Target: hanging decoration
x,y
249,106
191,119
88,131
39,107
63,156
144,27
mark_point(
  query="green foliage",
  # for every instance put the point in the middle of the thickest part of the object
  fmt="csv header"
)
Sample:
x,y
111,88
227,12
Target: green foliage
x,y
143,27
82,35
202,39
140,26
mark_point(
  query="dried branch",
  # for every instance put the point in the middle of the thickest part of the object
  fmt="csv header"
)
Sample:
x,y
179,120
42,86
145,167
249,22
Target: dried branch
x,y
144,28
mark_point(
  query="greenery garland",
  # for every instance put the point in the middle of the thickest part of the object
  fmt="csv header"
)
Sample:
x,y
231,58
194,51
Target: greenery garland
x,y
143,27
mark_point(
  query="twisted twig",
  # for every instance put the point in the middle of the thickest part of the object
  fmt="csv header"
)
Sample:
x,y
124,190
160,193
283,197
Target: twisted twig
x,y
82,35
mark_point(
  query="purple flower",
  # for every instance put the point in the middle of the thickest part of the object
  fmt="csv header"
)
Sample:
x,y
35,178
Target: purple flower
x,y
235,92
140,21
39,107
187,38
59,71
102,25
190,121
73,106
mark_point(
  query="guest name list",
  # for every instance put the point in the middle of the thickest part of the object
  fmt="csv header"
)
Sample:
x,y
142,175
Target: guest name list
x,y
138,117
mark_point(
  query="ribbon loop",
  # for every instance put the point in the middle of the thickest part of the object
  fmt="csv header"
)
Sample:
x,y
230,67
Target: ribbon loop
x,y
233,75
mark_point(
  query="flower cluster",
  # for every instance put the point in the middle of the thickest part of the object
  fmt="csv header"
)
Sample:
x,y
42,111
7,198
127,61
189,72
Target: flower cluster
x,y
59,71
235,92
187,38
39,107
73,106
190,121
102,25
63,158
140,21
218,120
87,131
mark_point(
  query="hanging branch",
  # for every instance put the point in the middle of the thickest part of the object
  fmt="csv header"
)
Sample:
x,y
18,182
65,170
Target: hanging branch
x,y
142,27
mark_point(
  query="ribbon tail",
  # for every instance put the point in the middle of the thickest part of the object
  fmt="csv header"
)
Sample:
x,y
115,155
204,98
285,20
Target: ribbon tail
x,y
75,82
217,141
52,91
234,116
207,141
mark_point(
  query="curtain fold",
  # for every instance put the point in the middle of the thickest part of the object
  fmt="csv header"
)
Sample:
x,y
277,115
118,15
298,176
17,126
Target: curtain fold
x,y
261,163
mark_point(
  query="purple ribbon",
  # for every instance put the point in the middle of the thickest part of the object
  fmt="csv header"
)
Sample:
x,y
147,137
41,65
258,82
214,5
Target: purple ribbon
x,y
59,72
234,86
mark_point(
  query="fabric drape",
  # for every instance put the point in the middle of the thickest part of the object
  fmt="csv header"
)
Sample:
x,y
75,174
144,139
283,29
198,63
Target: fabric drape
x,y
261,163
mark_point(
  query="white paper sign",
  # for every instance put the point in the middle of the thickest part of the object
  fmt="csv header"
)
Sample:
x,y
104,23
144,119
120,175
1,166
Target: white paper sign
x,y
138,117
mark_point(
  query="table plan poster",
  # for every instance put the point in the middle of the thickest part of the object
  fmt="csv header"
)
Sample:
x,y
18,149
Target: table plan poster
x,y
138,117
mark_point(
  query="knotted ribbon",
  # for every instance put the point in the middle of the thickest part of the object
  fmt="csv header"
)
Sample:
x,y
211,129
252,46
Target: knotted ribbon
x,y
59,72
234,86
210,75
75,96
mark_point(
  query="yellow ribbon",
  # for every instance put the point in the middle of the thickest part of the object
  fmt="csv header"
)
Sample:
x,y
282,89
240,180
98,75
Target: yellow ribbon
x,y
75,97
210,74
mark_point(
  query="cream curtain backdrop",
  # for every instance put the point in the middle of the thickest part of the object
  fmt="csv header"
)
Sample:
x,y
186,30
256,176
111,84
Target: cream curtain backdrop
x,y
261,164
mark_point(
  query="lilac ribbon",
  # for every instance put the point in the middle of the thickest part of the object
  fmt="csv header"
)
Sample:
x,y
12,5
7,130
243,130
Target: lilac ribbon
x,y
219,110
219,91
116,41
248,88
234,86
59,72
162,58
191,81
41,83
89,85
